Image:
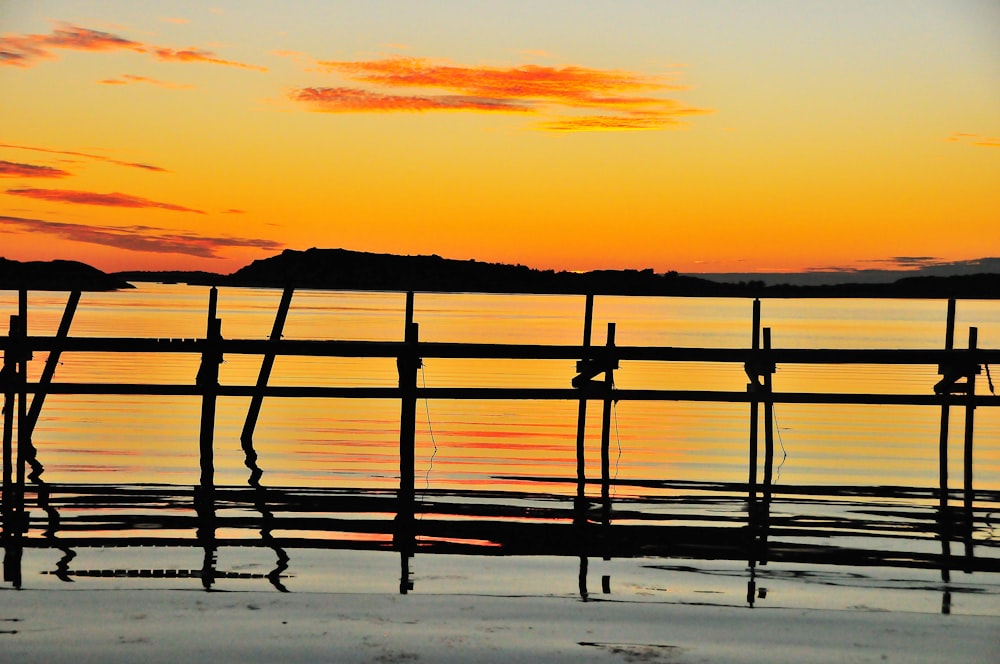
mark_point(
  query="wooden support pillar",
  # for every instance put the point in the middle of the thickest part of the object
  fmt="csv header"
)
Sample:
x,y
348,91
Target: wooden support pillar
x,y
944,518
266,365
204,496
51,362
22,397
581,423
208,382
765,516
9,380
753,387
609,384
970,416
407,365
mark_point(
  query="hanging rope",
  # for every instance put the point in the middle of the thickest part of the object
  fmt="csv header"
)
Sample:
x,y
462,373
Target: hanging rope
x,y
989,380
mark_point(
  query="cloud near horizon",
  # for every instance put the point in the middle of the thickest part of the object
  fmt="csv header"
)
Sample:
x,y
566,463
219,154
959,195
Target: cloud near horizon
x,y
129,79
114,199
974,139
13,169
95,157
148,239
623,99
27,50
354,100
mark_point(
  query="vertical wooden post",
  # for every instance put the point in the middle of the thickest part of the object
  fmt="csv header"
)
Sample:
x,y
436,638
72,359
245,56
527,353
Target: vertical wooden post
x,y
768,450
9,380
609,384
753,387
970,416
949,344
208,381
22,383
407,364
581,420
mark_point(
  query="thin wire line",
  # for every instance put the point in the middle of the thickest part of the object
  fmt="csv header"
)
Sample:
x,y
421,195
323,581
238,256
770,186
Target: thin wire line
x,y
430,429
618,438
784,453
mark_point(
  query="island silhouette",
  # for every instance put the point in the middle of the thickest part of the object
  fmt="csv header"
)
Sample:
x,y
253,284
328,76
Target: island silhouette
x,y
343,269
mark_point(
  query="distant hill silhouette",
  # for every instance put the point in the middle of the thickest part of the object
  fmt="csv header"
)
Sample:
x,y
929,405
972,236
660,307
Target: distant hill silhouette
x,y
354,270
56,275
343,269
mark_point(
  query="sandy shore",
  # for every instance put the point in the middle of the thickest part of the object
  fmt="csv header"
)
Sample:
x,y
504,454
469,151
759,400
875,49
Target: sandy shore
x,y
122,625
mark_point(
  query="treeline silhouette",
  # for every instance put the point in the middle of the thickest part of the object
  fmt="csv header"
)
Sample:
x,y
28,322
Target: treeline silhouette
x,y
354,270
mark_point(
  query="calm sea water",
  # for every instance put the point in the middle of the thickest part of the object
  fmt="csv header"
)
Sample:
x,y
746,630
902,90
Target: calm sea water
x,y
354,442
668,457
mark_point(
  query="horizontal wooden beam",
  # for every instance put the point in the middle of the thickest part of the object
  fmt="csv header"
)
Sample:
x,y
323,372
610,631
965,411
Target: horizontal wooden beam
x,y
517,394
393,349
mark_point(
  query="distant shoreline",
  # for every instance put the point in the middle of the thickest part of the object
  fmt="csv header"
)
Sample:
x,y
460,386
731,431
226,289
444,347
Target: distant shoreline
x,y
339,269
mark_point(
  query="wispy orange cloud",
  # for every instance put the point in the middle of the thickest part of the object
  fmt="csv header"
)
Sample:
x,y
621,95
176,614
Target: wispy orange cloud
x,y
635,121
113,199
565,84
128,79
13,169
198,55
135,238
629,99
28,50
974,139
354,100
86,155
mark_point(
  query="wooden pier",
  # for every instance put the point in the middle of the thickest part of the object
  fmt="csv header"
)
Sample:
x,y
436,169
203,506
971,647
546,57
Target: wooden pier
x,y
593,382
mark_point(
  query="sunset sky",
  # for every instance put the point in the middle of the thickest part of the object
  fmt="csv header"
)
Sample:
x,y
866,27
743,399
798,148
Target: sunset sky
x,y
697,136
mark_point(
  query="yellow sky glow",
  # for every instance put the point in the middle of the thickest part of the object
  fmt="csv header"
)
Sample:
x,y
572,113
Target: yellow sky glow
x,y
689,136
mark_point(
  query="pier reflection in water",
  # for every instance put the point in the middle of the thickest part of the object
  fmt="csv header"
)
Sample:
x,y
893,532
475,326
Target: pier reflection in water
x,y
857,538
836,531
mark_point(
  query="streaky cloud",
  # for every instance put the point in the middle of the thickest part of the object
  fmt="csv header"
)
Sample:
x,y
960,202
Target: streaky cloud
x,y
149,239
567,84
622,100
974,139
614,122
113,199
27,50
198,55
354,100
86,155
129,79
13,169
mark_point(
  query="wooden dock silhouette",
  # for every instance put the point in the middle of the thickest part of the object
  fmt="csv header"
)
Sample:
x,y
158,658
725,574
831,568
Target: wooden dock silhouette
x,y
593,382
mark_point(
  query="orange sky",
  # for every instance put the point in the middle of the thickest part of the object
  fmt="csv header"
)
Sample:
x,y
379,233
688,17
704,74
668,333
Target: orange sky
x,y
689,136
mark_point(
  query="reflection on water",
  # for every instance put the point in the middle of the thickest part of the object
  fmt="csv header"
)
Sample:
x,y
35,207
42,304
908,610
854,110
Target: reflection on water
x,y
853,539
852,499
